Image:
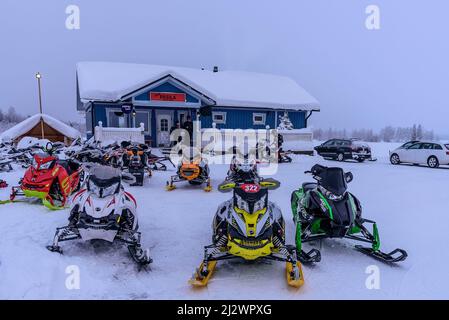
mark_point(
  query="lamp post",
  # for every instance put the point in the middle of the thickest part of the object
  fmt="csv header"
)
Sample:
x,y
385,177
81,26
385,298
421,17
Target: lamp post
x,y
38,77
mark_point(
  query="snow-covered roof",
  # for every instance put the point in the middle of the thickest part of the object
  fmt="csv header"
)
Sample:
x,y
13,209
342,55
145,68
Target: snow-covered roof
x,y
110,81
26,125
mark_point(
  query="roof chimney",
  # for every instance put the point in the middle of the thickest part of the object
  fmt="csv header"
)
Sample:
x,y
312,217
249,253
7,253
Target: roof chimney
x,y
215,68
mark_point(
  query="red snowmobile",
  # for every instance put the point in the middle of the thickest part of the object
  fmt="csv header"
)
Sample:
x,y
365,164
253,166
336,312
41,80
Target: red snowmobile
x,y
49,179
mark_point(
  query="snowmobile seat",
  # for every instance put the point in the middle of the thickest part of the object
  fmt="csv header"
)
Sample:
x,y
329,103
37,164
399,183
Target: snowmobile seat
x,y
69,166
307,186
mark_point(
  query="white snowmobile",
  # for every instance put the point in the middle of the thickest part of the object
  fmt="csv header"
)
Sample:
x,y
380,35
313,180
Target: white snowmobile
x,y
242,170
104,210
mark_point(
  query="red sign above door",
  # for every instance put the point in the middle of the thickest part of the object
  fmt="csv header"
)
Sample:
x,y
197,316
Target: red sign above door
x,y
168,96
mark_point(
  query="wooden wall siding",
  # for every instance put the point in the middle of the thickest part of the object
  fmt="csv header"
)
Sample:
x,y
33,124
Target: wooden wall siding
x,y
49,133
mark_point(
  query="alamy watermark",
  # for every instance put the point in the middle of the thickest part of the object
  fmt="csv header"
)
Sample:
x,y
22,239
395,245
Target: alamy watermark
x,y
222,146
73,280
372,282
73,19
372,21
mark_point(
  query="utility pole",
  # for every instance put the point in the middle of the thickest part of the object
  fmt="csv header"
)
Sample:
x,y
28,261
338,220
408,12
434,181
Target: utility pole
x,y
38,77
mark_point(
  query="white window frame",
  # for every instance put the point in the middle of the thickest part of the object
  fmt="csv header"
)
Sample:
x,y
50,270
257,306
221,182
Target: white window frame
x,y
219,113
108,118
259,114
137,125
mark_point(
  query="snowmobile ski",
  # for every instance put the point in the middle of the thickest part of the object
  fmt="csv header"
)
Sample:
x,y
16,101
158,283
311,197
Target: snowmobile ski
x,y
396,255
295,277
312,256
140,256
202,275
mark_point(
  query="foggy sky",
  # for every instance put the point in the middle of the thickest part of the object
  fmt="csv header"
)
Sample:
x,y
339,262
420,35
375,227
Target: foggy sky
x,y
398,75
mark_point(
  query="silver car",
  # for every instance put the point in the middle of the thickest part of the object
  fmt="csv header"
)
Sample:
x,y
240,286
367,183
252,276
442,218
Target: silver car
x,y
430,153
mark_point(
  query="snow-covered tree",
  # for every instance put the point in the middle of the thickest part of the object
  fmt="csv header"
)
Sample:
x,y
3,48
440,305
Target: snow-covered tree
x,y
284,122
414,135
419,132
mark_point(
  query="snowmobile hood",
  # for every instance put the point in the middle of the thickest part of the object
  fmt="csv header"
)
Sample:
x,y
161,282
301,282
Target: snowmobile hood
x,y
251,201
43,161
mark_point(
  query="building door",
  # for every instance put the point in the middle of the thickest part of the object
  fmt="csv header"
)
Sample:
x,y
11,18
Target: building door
x,y
164,124
182,117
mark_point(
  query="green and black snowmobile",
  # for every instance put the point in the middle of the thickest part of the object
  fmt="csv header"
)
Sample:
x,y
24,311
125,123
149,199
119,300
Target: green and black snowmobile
x,y
325,209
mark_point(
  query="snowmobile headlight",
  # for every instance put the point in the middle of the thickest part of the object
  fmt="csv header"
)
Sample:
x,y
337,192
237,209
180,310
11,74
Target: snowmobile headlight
x,y
108,191
242,204
102,192
45,166
333,197
260,204
35,164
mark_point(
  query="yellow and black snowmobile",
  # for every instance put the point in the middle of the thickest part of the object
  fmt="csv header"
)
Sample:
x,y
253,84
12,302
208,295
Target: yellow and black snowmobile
x,y
248,226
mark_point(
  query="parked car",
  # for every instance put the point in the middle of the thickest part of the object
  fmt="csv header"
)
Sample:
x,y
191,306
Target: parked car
x,y
407,144
430,153
344,149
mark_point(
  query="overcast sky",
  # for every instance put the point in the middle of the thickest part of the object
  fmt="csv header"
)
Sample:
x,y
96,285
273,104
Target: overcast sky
x,y
397,75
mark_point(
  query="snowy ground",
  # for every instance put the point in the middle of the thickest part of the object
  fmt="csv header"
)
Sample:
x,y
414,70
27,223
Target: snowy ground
x,y
408,202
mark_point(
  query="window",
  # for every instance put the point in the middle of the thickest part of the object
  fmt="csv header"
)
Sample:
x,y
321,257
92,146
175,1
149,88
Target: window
x,y
427,146
259,118
219,117
143,117
117,119
437,147
415,146
329,143
164,125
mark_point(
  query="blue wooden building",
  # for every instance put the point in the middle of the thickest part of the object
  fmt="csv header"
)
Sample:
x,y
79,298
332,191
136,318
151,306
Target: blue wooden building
x,y
126,95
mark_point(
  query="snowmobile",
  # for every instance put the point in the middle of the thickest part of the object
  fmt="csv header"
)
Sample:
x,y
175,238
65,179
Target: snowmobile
x,y
284,156
326,209
135,161
248,226
49,179
5,165
90,154
193,169
3,184
157,163
240,171
103,210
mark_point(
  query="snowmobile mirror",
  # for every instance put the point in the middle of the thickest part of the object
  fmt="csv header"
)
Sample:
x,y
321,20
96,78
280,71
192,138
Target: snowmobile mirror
x,y
49,147
226,187
270,184
348,177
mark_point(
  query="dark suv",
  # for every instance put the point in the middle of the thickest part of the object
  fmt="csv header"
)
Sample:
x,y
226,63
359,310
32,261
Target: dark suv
x,y
343,149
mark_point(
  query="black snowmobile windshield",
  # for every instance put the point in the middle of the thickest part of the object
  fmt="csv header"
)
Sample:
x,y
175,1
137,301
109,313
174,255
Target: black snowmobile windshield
x,y
104,181
333,180
251,202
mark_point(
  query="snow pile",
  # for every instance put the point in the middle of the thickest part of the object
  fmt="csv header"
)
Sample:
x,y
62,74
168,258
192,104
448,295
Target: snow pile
x,y
27,142
297,140
108,81
29,123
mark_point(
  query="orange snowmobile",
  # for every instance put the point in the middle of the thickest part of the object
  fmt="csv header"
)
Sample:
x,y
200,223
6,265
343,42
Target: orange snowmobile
x,y
193,169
